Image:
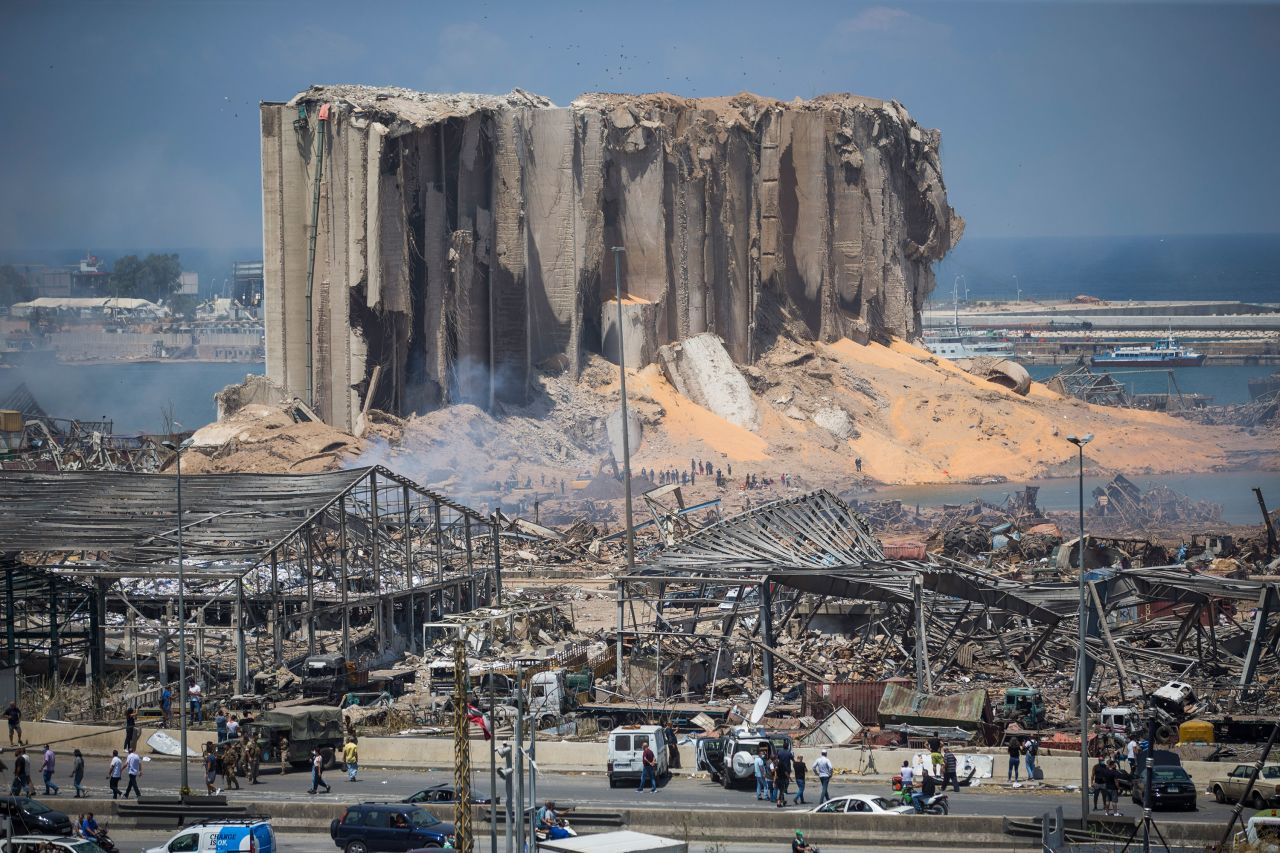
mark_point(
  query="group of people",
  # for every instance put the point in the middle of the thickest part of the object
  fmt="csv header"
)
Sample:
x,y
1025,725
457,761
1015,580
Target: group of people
x,y
775,771
22,784
1023,751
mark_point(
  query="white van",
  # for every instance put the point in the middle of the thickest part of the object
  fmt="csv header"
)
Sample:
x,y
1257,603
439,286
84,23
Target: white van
x,y
250,835
626,747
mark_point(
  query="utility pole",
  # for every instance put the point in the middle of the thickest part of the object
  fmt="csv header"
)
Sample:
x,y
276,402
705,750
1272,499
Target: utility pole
x,y
184,788
461,748
1082,687
626,451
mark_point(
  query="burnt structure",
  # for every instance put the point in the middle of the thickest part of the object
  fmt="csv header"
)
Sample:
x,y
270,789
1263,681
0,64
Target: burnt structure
x,y
461,242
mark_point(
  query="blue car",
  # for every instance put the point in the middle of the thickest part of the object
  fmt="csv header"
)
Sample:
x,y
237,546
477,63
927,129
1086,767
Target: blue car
x,y
388,828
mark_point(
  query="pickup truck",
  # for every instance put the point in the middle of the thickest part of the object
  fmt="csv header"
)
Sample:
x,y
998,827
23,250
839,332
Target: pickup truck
x,y
1230,788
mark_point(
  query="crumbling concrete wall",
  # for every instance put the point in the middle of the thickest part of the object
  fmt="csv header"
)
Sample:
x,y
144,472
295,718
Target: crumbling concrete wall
x,y
463,241
701,370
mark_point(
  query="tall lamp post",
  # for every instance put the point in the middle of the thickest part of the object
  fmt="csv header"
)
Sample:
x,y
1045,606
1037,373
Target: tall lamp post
x,y
626,448
184,788
1082,689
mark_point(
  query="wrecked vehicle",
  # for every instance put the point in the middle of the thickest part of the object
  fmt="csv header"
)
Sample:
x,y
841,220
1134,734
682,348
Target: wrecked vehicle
x,y
289,734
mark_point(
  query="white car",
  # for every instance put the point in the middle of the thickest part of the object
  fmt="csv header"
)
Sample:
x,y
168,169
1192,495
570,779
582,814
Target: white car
x,y
862,804
37,843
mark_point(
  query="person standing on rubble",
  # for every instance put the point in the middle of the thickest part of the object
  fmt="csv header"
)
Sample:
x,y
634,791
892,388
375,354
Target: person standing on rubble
x,y
1015,752
822,769
14,715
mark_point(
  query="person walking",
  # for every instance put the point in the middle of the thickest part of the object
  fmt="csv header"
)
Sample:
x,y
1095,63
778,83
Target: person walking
x,y
77,773
13,714
782,773
130,728
798,771
1015,753
114,771
648,768
133,766
21,774
166,706
220,725
210,768
351,757
1131,755
949,770
317,773
46,771
823,769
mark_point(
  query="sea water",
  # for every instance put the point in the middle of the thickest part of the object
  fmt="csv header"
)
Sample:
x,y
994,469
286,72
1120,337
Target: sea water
x,y
1227,384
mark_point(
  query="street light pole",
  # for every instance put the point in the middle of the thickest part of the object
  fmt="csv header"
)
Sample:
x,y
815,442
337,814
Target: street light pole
x,y
184,787
1082,689
626,452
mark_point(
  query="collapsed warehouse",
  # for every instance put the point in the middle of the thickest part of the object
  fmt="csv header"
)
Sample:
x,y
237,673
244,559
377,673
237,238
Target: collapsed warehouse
x,y
796,596
426,249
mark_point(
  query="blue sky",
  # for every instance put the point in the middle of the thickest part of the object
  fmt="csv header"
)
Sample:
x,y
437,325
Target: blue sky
x,y
136,124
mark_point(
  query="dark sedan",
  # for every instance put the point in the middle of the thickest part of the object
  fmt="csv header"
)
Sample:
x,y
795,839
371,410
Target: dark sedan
x,y
446,793
1171,787
31,817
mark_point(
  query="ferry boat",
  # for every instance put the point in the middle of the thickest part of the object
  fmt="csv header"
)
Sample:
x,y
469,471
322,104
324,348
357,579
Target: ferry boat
x,y
1163,353
957,344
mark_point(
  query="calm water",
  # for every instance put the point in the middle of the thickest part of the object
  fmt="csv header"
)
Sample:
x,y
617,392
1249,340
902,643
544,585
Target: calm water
x,y
1231,489
136,396
1225,384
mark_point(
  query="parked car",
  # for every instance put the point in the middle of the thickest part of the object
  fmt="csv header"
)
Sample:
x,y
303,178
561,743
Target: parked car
x,y
862,804
31,817
1171,787
244,835
43,843
446,793
388,828
1230,788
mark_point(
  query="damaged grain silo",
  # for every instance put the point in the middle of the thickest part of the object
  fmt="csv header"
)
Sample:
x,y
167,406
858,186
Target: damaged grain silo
x,y
459,242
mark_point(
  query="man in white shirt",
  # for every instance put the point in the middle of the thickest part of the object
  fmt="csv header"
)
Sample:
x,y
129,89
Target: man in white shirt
x,y
133,765
822,768
233,727
907,776
193,697
113,773
1131,753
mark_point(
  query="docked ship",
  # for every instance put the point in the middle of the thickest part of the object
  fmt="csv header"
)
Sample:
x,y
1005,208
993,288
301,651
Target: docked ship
x,y
1163,353
957,343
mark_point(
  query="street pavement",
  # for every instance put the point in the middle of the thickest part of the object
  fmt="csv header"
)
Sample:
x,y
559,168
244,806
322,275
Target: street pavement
x,y
591,791
133,841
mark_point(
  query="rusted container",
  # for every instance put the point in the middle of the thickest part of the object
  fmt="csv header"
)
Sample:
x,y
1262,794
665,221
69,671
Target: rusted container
x,y
860,698
904,551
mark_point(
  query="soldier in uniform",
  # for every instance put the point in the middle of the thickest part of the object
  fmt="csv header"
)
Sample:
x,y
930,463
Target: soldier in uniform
x,y
284,755
230,758
255,758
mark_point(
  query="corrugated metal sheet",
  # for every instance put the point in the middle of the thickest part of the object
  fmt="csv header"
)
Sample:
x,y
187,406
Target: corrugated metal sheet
x,y
860,698
901,704
904,551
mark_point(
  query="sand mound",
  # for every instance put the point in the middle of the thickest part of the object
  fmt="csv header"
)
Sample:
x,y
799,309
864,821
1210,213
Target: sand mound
x,y
910,418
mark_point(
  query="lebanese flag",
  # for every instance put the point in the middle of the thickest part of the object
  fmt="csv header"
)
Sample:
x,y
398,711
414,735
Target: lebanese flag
x,y
475,717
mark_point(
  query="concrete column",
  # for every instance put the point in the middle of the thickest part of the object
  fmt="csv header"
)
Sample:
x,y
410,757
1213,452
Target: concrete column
x,y
242,663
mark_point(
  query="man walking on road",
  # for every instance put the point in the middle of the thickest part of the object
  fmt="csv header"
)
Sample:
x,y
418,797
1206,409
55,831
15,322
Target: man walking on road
x,y
114,771
21,774
949,770
782,773
822,768
46,770
351,757
798,770
648,768
133,765
317,772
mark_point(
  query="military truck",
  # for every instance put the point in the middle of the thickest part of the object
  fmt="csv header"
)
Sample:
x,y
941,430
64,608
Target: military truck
x,y
298,730
330,677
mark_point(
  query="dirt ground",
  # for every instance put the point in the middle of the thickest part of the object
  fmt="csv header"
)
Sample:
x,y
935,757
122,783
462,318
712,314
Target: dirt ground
x,y
915,419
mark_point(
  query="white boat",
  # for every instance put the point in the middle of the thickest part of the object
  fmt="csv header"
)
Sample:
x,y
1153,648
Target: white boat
x,y
956,343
